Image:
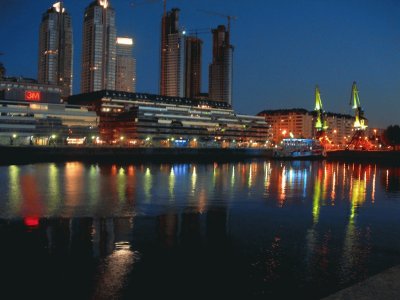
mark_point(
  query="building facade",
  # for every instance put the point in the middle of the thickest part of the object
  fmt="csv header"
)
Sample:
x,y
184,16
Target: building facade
x,y
193,49
56,49
33,113
300,123
98,47
221,68
287,123
340,129
153,120
125,74
171,75
28,89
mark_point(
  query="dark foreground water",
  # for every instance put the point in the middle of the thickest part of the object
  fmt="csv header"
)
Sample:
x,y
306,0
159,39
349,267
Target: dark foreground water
x,y
258,229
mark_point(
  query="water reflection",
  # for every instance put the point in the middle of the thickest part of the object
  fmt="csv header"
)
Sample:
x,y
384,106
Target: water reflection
x,y
75,190
267,224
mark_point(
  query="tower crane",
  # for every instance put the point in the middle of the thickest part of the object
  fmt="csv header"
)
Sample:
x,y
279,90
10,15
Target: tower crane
x,y
196,31
229,17
134,4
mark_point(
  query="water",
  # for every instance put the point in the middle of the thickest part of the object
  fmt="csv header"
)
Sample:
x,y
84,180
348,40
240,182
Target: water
x,y
253,229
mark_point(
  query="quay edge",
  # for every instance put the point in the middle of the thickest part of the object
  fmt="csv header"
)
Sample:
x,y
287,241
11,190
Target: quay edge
x,y
31,154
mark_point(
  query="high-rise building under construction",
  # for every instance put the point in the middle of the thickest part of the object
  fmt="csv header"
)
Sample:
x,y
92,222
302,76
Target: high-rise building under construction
x,y
171,75
193,49
220,70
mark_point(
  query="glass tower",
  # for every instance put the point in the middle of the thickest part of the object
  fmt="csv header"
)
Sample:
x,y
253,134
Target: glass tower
x,y
98,47
56,49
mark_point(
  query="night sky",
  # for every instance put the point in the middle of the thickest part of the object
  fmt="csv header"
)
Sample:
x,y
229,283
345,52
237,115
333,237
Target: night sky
x,y
282,48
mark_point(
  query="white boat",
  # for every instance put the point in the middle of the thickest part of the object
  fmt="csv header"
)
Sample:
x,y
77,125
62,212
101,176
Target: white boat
x,y
299,149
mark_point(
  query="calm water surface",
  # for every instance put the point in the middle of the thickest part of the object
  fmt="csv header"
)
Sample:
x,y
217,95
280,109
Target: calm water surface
x,y
254,229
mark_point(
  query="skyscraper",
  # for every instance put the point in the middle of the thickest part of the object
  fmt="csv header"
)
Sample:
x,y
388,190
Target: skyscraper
x,y
125,75
220,72
55,49
193,46
171,83
99,47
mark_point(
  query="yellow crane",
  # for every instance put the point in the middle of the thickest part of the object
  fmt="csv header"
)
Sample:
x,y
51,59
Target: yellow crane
x,y
360,140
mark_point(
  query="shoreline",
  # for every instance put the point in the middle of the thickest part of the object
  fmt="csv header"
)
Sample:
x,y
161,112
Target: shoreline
x,y
365,156
35,154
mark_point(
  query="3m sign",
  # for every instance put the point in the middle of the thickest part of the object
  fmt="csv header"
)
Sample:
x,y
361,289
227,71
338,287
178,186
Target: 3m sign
x,y
33,96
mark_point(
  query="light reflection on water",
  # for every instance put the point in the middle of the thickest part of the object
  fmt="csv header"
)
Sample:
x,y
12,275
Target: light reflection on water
x,y
264,227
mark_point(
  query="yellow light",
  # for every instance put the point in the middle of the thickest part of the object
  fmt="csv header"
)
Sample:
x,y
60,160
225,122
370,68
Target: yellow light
x,y
121,138
53,136
14,136
104,3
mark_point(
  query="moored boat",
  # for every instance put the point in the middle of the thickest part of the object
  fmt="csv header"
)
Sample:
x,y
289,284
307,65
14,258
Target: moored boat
x,y
292,148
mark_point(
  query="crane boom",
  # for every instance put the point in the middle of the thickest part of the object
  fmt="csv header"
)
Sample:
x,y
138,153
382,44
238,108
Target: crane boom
x,y
229,17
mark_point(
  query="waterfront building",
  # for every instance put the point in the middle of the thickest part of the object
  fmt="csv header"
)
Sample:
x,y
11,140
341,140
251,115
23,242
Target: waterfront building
x,y
153,120
193,49
300,123
98,47
28,89
56,49
171,75
287,123
221,69
33,113
340,130
125,74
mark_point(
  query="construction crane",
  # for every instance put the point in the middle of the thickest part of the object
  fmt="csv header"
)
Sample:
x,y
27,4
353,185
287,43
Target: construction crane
x,y
229,17
134,4
196,32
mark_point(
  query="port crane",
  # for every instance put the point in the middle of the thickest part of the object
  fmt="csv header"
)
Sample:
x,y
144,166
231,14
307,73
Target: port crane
x,y
359,139
320,124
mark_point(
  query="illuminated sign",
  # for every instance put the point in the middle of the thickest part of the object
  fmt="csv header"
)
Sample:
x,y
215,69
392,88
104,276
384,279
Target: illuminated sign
x,y
32,96
31,221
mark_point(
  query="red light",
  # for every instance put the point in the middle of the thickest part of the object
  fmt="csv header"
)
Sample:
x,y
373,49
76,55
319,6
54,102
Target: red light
x,y
32,96
31,221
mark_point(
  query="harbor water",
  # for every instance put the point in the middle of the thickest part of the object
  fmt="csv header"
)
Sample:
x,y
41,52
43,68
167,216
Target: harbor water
x,y
255,229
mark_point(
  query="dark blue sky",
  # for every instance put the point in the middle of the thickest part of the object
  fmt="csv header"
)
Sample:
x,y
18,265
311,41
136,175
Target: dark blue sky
x,y
282,48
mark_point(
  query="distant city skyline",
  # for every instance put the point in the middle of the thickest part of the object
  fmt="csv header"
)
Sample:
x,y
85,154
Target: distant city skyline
x,y
282,50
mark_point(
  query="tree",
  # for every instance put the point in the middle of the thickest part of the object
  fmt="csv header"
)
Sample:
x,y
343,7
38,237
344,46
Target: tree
x,y
392,135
